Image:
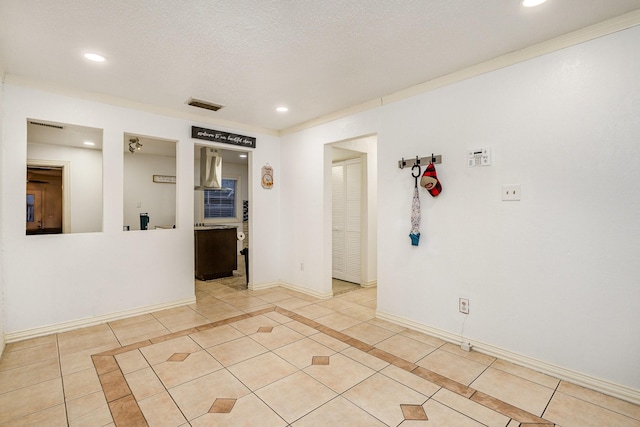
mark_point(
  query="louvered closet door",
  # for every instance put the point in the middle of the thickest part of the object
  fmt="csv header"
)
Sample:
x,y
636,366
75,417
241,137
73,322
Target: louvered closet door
x,y
338,225
346,220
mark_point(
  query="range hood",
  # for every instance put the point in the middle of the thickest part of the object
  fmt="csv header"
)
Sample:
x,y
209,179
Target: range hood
x,y
210,169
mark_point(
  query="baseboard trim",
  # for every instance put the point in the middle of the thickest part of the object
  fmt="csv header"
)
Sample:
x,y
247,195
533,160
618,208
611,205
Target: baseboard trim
x,y
372,284
310,292
603,386
261,286
92,321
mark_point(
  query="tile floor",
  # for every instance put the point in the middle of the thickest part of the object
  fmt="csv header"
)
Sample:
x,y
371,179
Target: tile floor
x,y
340,287
279,358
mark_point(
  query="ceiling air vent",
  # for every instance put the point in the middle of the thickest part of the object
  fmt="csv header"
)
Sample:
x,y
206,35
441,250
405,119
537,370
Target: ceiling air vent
x,y
49,125
204,104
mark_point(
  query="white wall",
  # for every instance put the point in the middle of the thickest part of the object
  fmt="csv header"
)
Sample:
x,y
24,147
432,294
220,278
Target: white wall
x,y
156,199
264,213
550,277
85,182
80,276
306,202
2,303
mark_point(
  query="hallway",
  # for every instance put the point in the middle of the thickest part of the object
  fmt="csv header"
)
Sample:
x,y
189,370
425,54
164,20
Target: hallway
x,y
277,357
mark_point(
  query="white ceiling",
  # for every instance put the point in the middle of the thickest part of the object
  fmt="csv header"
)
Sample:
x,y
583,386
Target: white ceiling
x,y
314,56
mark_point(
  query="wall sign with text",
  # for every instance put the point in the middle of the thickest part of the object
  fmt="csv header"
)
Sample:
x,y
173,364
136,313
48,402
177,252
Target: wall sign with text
x,y
223,137
267,176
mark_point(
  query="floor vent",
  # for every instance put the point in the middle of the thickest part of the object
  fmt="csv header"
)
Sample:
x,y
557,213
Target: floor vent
x,y
204,104
49,125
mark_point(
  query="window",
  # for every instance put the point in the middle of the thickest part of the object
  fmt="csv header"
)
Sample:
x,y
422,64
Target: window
x,y
222,203
31,201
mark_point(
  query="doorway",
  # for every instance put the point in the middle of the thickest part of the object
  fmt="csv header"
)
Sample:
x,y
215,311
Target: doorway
x,y
353,192
345,231
44,213
223,207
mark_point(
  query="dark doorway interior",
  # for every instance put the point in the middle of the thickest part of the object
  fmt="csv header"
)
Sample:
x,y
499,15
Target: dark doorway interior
x,y
44,200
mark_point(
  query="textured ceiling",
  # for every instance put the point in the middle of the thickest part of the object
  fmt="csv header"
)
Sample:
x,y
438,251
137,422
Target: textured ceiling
x,y
315,56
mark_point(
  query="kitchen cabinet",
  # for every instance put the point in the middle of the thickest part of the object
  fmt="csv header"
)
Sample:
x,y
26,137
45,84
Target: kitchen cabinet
x,y
215,252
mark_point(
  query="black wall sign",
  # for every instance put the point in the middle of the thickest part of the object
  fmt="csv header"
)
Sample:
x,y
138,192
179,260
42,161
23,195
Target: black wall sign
x,y
224,137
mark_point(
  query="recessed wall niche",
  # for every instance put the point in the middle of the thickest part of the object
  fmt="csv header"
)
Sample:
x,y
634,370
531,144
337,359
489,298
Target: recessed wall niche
x,y
149,183
63,179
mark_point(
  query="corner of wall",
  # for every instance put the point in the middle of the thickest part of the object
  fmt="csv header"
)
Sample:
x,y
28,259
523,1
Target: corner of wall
x,y
2,321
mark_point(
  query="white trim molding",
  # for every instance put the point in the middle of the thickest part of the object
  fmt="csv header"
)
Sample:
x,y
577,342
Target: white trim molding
x,y
315,294
582,35
603,386
126,103
92,321
261,286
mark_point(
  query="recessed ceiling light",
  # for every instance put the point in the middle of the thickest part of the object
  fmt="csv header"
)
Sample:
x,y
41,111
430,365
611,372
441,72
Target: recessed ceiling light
x,y
94,57
282,109
89,143
243,156
532,3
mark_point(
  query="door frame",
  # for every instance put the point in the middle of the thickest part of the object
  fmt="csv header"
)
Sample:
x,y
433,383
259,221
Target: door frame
x,y
66,187
369,235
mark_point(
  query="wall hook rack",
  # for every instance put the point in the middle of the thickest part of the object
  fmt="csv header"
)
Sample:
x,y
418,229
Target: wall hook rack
x,y
435,159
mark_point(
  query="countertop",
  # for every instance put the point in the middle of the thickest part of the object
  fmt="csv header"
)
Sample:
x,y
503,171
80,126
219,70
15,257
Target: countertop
x,y
213,227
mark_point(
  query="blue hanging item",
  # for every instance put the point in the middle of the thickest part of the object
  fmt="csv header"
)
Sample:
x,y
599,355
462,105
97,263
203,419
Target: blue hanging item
x,y
415,207
144,221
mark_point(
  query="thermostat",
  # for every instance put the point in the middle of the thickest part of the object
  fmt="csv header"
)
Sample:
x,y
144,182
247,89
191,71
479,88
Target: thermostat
x,y
479,157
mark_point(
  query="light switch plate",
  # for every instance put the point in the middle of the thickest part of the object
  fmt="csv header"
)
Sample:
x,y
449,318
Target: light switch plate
x,y
511,192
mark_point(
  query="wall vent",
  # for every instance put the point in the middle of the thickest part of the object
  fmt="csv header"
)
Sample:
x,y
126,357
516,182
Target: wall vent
x,y
49,125
204,104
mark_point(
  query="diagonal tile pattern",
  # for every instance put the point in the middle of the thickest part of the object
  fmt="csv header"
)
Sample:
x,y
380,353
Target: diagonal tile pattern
x,y
277,357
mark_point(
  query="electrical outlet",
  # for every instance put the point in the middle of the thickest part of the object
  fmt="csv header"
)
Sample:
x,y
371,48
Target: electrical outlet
x,y
463,305
511,192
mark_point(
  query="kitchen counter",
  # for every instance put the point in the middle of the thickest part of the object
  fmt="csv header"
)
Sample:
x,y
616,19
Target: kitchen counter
x,y
213,227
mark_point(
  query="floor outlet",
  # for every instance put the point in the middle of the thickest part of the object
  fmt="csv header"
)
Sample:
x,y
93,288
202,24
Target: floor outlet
x,y
463,305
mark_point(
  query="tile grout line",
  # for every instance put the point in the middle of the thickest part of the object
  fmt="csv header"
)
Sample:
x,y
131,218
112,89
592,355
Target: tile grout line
x,y
555,390
496,404
64,397
251,391
615,411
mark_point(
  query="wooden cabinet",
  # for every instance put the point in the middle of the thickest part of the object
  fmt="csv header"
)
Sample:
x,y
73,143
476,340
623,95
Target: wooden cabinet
x,y
215,253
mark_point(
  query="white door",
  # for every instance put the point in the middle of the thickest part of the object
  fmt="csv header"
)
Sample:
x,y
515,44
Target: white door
x,y
346,183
